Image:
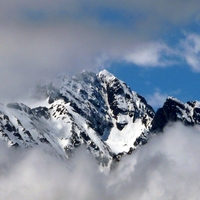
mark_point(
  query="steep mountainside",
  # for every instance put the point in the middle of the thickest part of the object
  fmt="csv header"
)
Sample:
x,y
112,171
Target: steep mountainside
x,y
95,110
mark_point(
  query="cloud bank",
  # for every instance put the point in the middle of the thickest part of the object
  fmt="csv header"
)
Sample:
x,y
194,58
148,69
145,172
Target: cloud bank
x,y
39,40
166,168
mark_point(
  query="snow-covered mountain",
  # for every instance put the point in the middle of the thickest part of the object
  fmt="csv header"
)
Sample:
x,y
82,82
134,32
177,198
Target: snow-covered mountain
x,y
95,110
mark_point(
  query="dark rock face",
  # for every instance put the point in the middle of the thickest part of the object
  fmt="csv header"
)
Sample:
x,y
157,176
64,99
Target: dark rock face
x,y
84,96
122,101
113,90
159,121
41,112
173,110
196,115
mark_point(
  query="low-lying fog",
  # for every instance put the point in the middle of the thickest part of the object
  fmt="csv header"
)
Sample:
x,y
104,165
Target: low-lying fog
x,y
168,167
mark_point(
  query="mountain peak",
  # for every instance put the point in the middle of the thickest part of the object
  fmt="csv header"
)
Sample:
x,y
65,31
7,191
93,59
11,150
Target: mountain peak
x,y
104,74
98,111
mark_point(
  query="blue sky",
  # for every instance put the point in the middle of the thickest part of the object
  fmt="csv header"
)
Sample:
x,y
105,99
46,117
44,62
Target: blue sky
x,y
154,46
155,84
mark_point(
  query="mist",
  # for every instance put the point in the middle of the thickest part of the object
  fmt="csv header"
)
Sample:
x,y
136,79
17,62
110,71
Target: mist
x,y
166,168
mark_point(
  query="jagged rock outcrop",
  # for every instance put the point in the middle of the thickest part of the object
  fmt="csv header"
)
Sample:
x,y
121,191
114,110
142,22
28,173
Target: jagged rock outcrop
x,y
174,110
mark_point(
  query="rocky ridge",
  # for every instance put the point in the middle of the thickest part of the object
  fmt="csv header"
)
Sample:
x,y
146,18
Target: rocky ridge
x,y
98,111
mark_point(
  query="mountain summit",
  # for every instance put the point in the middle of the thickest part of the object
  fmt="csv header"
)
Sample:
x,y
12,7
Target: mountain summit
x,y
98,111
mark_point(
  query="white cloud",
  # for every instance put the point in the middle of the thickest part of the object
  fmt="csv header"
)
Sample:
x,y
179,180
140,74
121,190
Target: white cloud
x,y
36,175
150,55
157,99
167,167
191,51
39,41
159,54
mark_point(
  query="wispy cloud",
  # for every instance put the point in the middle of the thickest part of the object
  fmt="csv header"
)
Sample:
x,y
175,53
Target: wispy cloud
x,y
151,55
160,54
157,99
191,51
